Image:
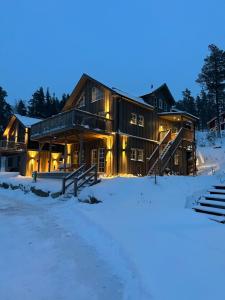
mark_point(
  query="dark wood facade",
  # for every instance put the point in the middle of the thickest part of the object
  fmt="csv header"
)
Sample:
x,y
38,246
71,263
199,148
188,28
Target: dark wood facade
x,y
105,126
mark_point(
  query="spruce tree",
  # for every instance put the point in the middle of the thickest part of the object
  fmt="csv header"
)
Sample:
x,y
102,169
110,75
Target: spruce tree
x,y
20,108
187,103
5,110
37,106
212,79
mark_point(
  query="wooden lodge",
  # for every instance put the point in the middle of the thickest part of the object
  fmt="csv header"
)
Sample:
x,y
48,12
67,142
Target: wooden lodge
x,y
121,134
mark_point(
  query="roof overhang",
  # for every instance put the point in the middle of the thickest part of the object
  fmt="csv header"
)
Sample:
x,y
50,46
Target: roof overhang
x,y
178,116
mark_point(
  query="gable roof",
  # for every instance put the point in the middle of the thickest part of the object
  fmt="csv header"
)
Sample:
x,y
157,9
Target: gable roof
x,y
27,121
115,91
164,88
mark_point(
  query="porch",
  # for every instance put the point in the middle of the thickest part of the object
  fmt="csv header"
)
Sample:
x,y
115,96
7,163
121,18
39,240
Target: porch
x,y
11,147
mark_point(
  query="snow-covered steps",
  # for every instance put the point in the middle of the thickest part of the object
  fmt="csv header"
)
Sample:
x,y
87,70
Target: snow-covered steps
x,y
213,210
219,186
213,203
217,191
215,197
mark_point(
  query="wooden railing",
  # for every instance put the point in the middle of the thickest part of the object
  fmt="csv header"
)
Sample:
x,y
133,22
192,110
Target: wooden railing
x,y
153,160
166,149
68,120
79,177
65,181
171,150
12,146
85,177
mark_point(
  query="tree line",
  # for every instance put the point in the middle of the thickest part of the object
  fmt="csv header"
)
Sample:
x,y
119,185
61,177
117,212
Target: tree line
x,y
41,105
211,100
209,103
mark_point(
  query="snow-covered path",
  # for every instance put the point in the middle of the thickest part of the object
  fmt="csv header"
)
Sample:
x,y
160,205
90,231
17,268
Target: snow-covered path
x,y
40,259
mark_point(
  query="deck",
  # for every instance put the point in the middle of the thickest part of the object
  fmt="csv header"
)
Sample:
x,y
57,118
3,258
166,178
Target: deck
x,y
73,119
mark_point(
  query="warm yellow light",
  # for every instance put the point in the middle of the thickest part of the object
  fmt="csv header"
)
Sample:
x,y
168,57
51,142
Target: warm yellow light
x,y
107,104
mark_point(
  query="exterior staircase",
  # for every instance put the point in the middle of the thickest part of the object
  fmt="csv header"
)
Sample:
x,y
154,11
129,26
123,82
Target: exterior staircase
x,y
164,151
213,203
73,183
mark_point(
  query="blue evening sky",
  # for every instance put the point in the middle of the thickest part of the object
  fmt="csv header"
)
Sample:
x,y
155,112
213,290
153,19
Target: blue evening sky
x,y
129,44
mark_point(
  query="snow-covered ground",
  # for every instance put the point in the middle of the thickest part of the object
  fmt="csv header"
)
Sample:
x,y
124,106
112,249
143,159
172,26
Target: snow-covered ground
x,y
142,241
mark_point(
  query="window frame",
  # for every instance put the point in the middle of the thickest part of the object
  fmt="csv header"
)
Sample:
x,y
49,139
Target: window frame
x,y
135,118
133,151
142,155
160,103
142,123
81,102
97,89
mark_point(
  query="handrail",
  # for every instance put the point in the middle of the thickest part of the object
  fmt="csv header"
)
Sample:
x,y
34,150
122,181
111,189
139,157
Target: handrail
x,y
153,159
78,184
171,150
70,176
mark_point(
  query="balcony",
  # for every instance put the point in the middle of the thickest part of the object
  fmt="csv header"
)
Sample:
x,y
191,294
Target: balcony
x,y
72,119
12,146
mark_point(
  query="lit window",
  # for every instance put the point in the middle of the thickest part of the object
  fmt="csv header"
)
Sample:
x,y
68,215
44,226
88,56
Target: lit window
x,y
141,120
97,94
133,154
133,119
140,154
160,103
81,101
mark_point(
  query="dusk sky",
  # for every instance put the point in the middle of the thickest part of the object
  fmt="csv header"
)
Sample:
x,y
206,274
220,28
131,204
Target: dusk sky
x,y
128,44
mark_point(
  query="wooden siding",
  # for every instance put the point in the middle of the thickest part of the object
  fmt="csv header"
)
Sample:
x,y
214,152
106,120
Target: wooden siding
x,y
150,129
128,166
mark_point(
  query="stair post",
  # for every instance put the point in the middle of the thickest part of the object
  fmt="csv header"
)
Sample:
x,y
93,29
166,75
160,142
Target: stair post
x,y
96,175
63,185
75,186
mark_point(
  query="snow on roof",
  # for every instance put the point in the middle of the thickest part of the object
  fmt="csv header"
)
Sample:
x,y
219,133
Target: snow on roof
x,y
27,121
136,99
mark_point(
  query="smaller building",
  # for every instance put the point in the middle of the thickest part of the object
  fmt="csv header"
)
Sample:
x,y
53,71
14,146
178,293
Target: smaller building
x,y
19,154
213,123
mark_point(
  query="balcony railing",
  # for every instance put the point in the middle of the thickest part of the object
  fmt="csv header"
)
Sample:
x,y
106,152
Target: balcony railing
x,y
68,120
12,146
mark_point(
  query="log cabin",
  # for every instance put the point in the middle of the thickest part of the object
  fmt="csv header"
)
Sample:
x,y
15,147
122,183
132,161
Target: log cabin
x,y
120,134
19,154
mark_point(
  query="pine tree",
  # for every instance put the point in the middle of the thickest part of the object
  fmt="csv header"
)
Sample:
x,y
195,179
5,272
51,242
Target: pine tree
x,y
5,110
63,101
212,79
21,108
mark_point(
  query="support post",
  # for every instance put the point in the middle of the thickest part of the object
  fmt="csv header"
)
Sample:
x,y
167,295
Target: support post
x,y
81,152
65,155
40,146
75,186
49,156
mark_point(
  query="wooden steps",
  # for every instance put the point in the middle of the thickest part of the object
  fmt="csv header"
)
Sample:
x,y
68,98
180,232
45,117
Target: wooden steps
x,y
213,204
